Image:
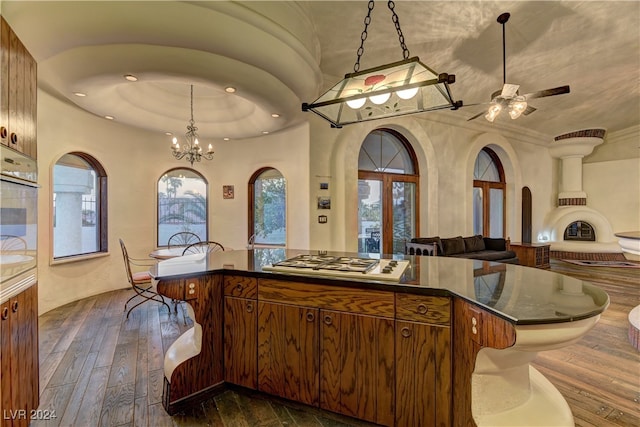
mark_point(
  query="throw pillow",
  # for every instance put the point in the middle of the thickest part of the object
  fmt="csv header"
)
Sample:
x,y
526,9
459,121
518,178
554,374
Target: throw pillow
x,y
495,244
474,243
452,246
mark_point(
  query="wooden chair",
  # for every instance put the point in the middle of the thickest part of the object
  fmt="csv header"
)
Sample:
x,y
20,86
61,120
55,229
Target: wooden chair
x,y
140,281
183,238
12,245
203,247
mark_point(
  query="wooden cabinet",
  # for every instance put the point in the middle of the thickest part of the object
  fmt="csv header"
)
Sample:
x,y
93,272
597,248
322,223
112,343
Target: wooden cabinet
x,y
19,358
423,361
532,254
241,331
18,93
288,351
357,366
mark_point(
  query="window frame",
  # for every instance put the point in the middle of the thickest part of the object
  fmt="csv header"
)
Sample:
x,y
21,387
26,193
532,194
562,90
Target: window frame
x,y
251,206
102,208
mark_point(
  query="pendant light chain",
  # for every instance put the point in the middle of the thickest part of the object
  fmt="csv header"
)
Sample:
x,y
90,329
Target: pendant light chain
x,y
363,36
367,21
396,21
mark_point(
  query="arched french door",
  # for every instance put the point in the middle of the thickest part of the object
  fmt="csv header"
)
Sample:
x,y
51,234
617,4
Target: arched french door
x,y
489,188
387,193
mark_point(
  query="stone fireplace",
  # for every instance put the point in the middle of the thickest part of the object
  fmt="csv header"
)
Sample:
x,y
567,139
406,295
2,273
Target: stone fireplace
x,y
573,226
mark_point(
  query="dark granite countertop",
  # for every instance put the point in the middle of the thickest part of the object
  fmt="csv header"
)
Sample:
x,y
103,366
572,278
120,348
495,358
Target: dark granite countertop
x,y
521,295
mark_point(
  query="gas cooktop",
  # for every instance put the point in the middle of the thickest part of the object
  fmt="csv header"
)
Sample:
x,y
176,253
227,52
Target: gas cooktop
x,y
352,267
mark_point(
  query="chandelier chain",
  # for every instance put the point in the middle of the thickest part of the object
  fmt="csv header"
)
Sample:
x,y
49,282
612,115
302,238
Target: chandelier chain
x,y
367,20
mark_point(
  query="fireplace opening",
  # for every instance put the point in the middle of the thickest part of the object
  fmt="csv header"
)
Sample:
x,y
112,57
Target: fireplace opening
x,y
580,231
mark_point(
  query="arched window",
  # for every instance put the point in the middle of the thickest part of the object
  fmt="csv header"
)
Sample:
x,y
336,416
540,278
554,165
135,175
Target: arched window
x,y
79,207
268,207
182,204
387,193
489,190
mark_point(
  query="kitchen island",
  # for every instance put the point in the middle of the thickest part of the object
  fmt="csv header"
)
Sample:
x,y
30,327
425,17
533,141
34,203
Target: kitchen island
x,y
448,343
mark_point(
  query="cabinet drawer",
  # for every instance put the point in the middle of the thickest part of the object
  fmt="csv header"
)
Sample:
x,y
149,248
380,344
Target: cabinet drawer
x,y
426,309
327,297
240,286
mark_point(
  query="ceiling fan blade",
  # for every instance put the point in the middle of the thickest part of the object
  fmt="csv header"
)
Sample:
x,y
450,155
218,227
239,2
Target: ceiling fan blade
x,y
548,92
477,115
509,90
529,110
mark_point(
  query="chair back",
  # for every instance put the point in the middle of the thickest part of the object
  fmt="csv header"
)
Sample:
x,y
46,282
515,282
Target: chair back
x,y
12,245
203,247
183,238
424,249
127,265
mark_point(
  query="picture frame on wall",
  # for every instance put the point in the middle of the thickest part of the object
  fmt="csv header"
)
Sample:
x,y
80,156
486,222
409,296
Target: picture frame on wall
x,y
324,202
227,192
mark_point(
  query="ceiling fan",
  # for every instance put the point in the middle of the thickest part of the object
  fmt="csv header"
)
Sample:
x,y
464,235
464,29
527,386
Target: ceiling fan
x,y
508,98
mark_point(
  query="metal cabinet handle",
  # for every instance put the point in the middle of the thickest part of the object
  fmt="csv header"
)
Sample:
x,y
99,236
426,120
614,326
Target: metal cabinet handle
x,y
249,307
5,313
14,306
422,309
239,287
328,320
406,332
3,132
13,138
310,317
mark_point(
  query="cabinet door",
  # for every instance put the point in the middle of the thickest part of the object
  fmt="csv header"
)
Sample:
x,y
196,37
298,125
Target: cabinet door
x,y
4,81
357,366
241,341
288,352
5,362
423,375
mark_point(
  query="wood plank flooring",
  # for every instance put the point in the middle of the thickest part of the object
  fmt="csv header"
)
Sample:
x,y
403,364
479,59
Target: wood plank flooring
x,y
98,369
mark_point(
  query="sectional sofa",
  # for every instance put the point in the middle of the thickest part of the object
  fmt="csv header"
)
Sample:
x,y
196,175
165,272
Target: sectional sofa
x,y
474,247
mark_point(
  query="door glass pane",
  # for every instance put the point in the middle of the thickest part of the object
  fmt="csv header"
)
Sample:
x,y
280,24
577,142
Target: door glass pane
x,y
495,212
369,216
477,210
404,212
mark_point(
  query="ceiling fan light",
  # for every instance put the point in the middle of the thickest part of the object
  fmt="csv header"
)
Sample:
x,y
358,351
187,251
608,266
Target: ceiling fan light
x,y
380,99
356,103
517,107
407,93
494,110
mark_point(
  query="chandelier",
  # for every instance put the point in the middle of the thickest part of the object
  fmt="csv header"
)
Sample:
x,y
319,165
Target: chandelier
x,y
191,149
404,87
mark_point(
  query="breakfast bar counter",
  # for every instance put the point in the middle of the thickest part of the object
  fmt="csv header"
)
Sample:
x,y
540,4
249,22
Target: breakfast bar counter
x,y
445,341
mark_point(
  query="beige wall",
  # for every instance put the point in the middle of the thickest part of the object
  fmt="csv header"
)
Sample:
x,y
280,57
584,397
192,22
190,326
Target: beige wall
x,y
446,147
134,160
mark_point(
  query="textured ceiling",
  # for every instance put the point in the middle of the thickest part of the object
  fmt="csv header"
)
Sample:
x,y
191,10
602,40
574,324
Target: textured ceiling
x,y
280,54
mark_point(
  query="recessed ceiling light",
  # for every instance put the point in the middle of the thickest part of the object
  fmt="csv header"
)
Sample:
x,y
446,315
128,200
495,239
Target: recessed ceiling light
x,y
130,77
230,89
168,133
225,139
275,115
265,132
108,117
79,94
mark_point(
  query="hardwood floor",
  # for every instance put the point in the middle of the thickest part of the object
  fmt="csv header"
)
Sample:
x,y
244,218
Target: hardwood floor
x,y
96,368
